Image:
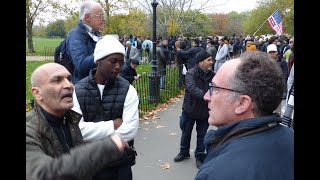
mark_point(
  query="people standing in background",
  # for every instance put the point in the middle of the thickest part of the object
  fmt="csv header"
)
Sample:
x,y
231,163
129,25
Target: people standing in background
x,y
129,72
222,54
211,49
162,62
82,39
131,52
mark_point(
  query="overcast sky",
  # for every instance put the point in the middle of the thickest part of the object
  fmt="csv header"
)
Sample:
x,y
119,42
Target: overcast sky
x,y
220,6
226,6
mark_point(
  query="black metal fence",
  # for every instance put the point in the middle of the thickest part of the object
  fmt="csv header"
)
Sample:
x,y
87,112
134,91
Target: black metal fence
x,y
170,89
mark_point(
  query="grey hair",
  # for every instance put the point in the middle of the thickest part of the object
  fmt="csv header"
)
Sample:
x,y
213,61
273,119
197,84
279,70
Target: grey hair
x,y
86,7
259,77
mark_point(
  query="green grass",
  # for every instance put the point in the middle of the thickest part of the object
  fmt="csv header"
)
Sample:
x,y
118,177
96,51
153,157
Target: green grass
x,y
43,46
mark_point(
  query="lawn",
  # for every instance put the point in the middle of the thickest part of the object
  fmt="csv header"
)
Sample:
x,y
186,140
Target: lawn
x,y
43,46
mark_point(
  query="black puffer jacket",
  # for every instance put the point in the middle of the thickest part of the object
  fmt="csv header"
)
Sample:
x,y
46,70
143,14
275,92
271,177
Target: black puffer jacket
x,y
197,84
112,101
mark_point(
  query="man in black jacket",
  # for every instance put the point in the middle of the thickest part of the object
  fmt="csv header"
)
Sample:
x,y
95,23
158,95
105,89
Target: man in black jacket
x,y
195,108
128,70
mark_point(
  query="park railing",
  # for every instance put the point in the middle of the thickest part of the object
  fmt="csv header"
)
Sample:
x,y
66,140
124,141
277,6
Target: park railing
x,y
171,89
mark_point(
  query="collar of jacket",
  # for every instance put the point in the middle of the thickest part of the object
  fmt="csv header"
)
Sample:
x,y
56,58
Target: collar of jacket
x,y
70,116
214,136
93,82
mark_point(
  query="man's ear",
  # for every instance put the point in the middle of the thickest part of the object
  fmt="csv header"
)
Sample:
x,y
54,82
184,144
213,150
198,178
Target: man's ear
x,y
36,93
244,104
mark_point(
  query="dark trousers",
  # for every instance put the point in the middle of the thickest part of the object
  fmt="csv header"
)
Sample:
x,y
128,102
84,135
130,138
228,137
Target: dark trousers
x,y
181,76
186,126
118,173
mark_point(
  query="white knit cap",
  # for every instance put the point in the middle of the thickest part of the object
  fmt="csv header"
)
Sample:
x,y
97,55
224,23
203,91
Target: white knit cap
x,y
106,46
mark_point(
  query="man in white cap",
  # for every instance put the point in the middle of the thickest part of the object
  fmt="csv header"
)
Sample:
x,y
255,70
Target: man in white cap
x,y
273,53
108,104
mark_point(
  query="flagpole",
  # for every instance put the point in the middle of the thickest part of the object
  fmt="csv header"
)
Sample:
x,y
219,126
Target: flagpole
x,y
260,27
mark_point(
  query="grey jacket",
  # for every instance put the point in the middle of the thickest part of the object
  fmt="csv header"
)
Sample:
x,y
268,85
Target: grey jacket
x,y
44,153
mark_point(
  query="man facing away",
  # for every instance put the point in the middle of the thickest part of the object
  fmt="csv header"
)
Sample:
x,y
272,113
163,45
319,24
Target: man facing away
x,y
194,108
249,142
82,39
54,145
108,103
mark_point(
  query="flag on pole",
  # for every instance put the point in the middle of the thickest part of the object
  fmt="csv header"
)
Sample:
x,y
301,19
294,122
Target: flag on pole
x,y
275,22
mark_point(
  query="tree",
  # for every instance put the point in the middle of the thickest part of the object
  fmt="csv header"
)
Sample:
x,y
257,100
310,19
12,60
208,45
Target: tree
x,y
56,29
219,23
39,10
181,13
258,17
134,23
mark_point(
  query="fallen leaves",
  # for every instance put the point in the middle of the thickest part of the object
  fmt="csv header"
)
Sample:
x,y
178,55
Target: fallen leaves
x,y
165,165
161,107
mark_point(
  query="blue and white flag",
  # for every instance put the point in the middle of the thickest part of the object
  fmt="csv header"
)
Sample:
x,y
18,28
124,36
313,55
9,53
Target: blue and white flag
x,y
275,22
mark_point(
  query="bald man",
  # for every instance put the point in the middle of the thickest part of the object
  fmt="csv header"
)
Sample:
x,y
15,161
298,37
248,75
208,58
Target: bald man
x,y
54,144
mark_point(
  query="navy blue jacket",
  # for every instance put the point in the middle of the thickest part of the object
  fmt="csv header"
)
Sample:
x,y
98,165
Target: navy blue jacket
x,y
264,155
80,48
128,72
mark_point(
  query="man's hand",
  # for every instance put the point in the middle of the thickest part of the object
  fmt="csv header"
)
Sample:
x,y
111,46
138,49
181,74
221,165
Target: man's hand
x,y
117,123
137,77
121,144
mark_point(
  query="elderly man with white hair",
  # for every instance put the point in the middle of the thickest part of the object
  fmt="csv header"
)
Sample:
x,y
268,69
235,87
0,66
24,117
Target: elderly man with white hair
x,y
131,52
82,39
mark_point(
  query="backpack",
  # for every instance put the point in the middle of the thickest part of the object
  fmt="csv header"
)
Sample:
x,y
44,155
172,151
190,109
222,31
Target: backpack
x,y
61,56
147,48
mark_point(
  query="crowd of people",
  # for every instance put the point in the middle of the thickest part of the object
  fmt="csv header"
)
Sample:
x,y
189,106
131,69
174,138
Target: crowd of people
x,y
84,123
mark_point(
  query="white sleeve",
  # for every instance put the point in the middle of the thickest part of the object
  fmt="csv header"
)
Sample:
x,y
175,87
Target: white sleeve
x,y
130,116
92,131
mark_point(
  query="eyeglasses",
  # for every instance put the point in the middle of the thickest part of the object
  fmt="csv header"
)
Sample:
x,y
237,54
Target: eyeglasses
x,y
211,88
100,16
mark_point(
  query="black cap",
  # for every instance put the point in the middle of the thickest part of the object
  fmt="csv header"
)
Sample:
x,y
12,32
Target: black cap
x,y
202,55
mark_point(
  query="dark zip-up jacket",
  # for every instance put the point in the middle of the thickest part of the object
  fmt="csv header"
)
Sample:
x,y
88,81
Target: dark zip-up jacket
x,y
197,84
46,158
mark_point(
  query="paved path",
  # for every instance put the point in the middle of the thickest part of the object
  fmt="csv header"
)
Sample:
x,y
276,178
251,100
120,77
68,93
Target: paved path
x,y
158,142
38,58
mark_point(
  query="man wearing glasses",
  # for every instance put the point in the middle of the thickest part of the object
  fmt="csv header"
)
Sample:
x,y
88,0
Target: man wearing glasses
x,y
82,39
249,142
195,109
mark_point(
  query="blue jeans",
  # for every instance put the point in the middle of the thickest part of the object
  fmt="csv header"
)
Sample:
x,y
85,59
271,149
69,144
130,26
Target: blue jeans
x,y
186,126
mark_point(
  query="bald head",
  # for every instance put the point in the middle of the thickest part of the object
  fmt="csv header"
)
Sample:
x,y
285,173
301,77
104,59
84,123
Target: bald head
x,y
39,74
52,88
